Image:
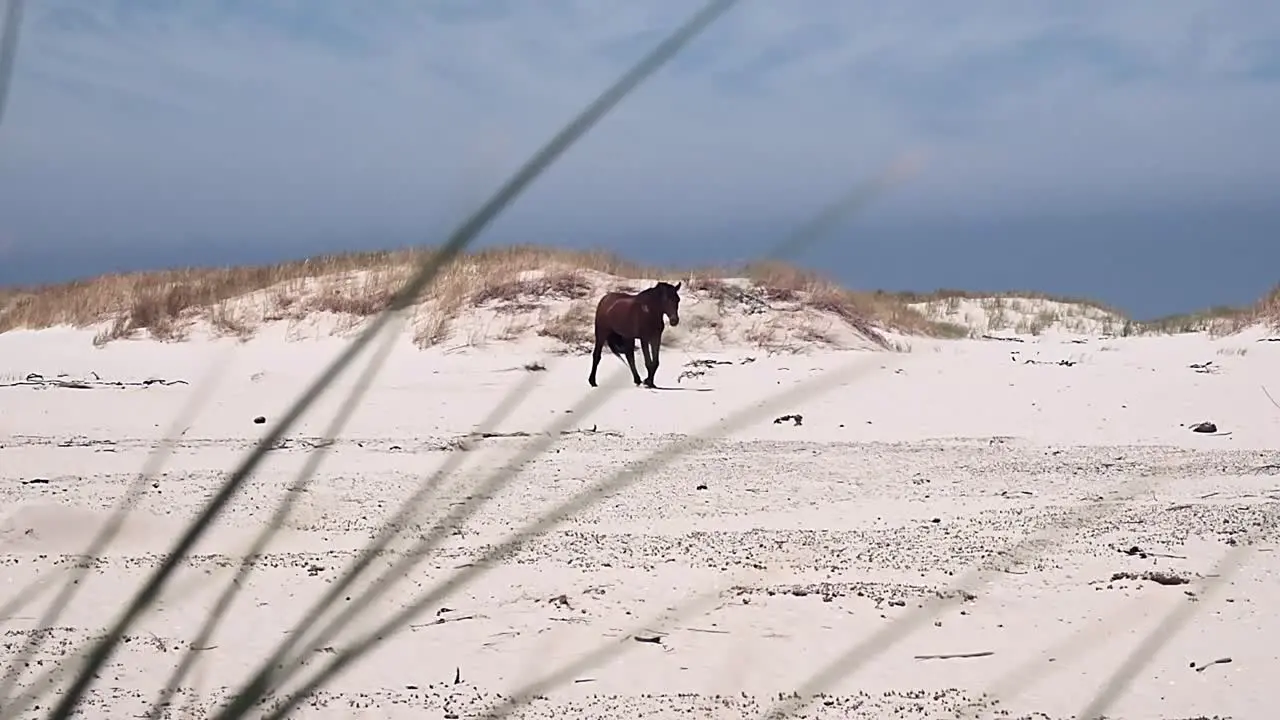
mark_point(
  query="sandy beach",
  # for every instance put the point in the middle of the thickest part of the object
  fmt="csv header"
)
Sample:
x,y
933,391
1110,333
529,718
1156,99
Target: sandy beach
x,y
1062,465
968,404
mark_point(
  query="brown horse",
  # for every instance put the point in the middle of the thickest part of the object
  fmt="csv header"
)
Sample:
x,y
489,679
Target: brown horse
x,y
622,318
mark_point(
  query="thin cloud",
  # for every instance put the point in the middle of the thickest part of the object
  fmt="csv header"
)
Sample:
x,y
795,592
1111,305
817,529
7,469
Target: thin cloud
x,y
279,117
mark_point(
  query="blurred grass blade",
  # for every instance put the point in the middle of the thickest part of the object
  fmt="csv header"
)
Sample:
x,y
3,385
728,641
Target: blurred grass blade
x,y
262,682
661,54
578,502
277,520
1060,654
608,650
32,590
103,650
110,529
392,526
272,669
881,640
856,198
1162,634
9,51
791,245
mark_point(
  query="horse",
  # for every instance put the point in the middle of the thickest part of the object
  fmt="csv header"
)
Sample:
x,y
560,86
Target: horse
x,y
622,318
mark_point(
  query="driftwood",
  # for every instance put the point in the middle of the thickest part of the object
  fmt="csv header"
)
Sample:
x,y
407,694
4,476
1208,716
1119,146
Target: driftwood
x,y
1155,576
706,363
443,620
707,630
466,442
690,374
956,656
63,381
1202,666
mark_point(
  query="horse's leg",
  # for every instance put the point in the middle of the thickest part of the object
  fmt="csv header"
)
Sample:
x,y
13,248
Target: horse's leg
x,y
650,361
657,343
631,361
595,357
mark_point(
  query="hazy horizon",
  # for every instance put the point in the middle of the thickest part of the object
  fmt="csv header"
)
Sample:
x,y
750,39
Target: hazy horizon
x,y
1123,153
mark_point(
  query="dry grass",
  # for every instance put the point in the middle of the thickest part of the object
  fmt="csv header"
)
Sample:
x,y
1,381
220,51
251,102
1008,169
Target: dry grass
x,y
950,294
784,282
164,303
1222,319
572,327
518,282
160,301
1025,313
1217,321
514,281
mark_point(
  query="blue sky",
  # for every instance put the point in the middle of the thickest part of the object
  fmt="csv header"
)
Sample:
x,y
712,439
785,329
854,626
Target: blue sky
x,y
1122,150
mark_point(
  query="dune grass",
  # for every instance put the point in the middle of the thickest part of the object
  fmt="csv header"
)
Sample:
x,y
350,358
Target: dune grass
x,y
946,294
236,300
1221,319
1075,313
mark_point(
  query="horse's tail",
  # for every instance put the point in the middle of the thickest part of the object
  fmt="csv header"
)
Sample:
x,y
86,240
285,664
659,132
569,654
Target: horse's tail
x,y
618,344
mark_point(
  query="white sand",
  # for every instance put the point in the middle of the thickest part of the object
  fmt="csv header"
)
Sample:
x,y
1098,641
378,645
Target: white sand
x,y
913,469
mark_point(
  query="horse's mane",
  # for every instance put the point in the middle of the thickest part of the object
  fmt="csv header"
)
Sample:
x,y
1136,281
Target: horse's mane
x,y
659,287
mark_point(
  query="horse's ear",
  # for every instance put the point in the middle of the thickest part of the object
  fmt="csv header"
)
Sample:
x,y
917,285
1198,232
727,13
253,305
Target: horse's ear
x,y
678,285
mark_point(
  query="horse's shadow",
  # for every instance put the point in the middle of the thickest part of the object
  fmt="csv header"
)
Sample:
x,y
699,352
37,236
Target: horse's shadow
x,y
676,389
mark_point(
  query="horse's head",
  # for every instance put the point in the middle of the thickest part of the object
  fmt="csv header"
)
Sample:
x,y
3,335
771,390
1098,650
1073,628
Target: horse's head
x,y
669,300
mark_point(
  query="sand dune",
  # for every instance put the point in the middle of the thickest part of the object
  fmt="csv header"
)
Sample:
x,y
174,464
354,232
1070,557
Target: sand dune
x,y
1013,315
923,461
